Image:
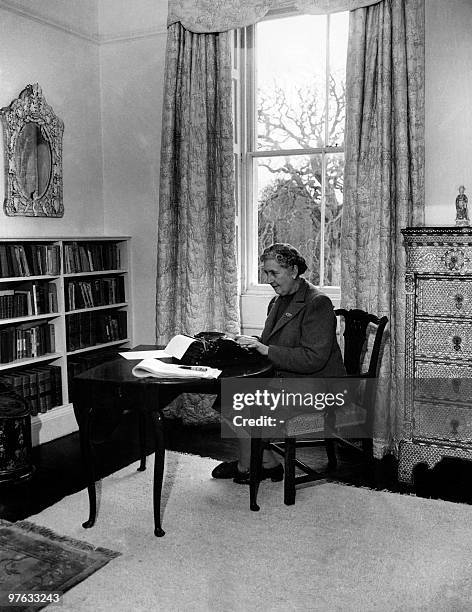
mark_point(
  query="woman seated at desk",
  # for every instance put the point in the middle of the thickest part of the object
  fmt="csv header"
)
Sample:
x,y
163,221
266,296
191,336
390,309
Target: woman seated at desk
x,y
299,338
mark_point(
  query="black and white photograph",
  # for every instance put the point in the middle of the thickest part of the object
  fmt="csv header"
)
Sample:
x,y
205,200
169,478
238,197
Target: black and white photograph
x,y
235,305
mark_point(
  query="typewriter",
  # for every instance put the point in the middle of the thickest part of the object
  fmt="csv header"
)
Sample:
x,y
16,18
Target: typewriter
x,y
217,349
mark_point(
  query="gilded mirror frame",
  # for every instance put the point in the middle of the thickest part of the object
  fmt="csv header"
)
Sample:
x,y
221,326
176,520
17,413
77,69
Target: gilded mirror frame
x,y
31,108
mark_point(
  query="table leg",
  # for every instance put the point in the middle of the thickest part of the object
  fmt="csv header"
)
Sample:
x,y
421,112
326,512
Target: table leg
x,y
159,459
83,415
142,441
153,400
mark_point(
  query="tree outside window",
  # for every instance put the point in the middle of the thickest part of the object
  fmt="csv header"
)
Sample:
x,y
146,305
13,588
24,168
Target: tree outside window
x,y
298,141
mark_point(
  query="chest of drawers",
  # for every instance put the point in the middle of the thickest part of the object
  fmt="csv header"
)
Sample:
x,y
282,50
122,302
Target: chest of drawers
x,y
438,347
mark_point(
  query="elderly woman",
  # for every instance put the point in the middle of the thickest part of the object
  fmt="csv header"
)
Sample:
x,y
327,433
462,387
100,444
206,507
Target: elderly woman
x,y
299,338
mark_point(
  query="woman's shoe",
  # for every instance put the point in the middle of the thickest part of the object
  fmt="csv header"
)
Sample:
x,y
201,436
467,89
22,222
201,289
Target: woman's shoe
x,y
228,469
276,474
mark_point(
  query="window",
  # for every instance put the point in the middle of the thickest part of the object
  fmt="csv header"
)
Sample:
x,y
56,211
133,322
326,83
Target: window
x,y
289,141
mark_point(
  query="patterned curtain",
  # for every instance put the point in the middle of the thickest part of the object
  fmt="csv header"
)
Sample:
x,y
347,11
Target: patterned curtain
x,y
222,15
197,287
384,180
197,281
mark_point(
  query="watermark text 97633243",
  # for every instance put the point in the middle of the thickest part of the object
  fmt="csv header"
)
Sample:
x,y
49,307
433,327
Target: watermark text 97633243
x,y
29,598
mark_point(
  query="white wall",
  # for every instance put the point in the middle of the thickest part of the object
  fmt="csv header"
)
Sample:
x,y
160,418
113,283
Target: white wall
x,y
448,107
122,18
66,66
132,73
79,16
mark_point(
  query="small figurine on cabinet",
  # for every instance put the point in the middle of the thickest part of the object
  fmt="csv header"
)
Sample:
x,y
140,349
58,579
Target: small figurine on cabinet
x,y
462,214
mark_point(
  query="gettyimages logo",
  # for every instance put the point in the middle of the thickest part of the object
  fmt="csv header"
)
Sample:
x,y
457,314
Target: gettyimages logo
x,y
269,400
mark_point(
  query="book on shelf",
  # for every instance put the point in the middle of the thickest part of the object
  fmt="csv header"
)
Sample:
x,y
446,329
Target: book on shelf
x,y
52,297
23,304
7,300
96,292
40,386
20,257
26,341
91,257
56,389
3,260
33,393
21,260
91,328
28,299
44,389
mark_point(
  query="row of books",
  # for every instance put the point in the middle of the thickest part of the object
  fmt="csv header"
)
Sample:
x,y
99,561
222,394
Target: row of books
x,y
40,386
91,257
97,292
90,328
17,260
26,341
28,300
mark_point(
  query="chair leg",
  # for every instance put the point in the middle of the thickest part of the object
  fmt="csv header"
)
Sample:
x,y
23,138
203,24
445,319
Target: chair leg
x,y
331,452
330,443
289,480
255,470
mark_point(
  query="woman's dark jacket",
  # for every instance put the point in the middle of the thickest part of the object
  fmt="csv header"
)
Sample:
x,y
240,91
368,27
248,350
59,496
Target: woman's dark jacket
x,y
302,342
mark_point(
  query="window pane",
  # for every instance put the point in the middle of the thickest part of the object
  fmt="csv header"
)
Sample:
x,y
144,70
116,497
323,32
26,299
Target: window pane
x,y
288,193
235,111
338,35
333,212
290,82
237,171
234,35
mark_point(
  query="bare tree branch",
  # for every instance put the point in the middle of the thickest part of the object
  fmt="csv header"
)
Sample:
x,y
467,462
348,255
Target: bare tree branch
x,y
289,204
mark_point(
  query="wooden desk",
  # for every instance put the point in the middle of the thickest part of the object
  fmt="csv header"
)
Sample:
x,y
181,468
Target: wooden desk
x,y
113,383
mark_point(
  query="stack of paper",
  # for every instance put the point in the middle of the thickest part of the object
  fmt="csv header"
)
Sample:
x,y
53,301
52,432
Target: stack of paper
x,y
159,369
175,348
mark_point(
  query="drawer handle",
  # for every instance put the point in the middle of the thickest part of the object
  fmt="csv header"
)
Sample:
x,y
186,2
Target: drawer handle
x,y
459,300
456,384
454,426
455,259
456,341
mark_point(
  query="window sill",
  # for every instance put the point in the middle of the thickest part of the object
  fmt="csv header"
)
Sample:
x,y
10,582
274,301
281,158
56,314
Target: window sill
x,y
254,302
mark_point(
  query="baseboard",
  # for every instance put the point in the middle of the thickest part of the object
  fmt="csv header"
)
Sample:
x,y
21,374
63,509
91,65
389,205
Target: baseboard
x,y
54,424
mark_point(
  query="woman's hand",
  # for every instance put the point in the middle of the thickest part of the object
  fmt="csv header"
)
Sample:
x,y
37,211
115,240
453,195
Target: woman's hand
x,y
252,343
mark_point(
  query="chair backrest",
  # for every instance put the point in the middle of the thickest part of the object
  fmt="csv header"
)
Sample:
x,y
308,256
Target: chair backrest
x,y
358,326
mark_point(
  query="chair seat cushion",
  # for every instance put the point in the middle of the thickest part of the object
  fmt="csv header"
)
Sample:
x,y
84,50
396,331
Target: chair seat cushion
x,y
314,422
305,424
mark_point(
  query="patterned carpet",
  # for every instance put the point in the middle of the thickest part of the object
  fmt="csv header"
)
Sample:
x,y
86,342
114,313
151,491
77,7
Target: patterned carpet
x,y
37,564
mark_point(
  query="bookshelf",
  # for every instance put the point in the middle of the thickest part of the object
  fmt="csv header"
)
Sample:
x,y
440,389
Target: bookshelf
x,y
64,307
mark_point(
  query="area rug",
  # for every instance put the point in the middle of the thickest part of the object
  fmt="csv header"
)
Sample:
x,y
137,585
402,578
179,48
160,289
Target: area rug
x,y
338,548
35,559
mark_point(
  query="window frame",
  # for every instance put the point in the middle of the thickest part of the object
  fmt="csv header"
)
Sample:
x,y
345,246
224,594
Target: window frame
x,y
254,294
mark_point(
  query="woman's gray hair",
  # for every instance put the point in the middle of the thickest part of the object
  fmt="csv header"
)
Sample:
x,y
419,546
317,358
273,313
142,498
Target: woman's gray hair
x,y
285,255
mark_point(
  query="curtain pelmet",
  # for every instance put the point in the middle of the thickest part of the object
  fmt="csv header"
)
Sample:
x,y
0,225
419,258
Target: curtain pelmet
x,y
222,15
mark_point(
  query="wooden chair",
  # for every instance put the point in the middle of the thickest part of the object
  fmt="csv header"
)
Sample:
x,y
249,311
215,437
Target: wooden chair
x,y
362,361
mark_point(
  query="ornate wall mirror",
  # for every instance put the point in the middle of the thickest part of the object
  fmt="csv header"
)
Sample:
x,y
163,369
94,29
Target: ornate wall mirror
x,y
32,137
